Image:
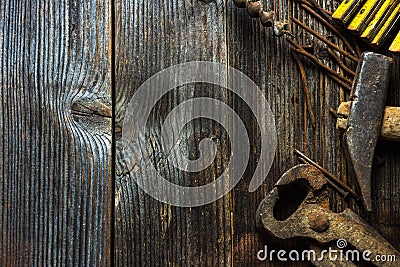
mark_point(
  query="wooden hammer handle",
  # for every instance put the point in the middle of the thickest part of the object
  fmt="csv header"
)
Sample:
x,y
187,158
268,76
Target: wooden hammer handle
x,y
390,125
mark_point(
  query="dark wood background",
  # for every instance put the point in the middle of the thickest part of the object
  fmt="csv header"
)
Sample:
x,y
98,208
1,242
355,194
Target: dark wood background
x,y
68,70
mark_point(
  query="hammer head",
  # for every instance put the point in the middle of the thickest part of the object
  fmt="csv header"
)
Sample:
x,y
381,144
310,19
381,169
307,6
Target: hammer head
x,y
365,118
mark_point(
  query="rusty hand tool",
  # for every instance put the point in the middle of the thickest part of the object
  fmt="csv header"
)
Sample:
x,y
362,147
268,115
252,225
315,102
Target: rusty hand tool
x,y
361,119
314,221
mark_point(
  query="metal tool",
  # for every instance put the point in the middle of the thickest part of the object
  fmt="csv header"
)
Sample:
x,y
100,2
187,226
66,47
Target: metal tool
x,y
374,20
346,10
315,222
379,20
364,16
361,119
395,47
391,25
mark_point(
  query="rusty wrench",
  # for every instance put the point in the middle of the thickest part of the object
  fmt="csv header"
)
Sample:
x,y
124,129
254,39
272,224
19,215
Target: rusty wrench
x,y
313,220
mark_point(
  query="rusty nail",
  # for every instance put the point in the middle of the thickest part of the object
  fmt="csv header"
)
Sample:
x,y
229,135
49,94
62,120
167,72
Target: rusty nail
x,y
254,8
328,24
323,39
305,89
334,75
329,175
267,18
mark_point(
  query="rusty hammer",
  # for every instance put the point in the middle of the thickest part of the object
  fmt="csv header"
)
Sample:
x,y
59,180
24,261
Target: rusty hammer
x,y
365,118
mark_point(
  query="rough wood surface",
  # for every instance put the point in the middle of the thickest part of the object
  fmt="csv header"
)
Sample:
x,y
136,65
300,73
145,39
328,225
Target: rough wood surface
x,y
154,35
56,111
55,123
151,36
385,175
267,60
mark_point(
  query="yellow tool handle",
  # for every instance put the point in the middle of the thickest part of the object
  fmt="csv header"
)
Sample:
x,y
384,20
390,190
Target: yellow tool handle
x,y
346,10
379,19
365,15
395,47
389,25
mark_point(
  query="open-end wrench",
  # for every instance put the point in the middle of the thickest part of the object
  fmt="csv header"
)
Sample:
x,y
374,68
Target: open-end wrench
x,y
313,220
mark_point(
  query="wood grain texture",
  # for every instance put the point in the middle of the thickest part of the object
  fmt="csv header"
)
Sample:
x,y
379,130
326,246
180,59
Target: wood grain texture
x,y
151,36
56,111
267,60
385,177
55,202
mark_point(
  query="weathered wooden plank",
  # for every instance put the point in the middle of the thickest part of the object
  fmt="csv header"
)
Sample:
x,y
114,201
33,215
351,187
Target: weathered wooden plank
x,y
56,128
267,60
385,178
151,36
55,206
